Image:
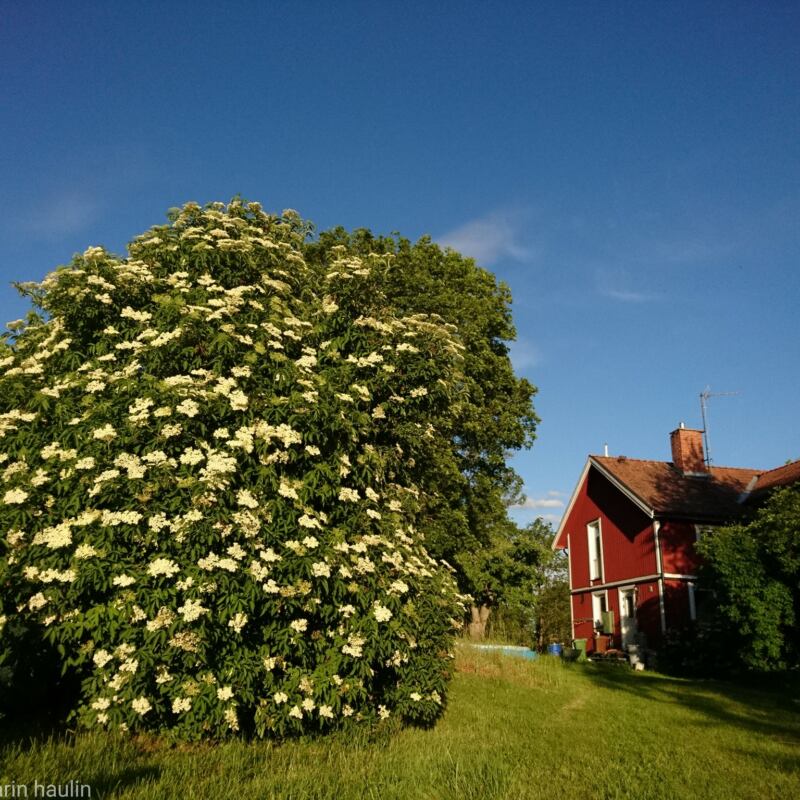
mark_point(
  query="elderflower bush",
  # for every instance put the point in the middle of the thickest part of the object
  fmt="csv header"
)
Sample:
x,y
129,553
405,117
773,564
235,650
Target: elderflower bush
x,y
205,501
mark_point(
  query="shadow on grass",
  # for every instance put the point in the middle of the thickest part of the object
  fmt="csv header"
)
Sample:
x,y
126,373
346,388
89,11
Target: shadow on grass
x,y
767,710
34,727
44,732
111,785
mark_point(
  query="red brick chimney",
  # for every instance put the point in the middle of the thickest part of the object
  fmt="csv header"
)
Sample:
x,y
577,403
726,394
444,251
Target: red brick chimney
x,y
687,450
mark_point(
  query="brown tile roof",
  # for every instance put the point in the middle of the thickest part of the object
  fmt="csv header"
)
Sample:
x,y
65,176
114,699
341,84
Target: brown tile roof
x,y
780,476
668,492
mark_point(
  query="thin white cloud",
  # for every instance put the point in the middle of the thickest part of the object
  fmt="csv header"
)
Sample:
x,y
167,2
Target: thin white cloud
x,y
524,354
691,250
616,284
626,296
66,213
541,502
498,235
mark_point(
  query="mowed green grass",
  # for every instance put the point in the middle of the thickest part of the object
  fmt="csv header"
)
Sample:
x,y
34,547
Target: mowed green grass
x,y
513,729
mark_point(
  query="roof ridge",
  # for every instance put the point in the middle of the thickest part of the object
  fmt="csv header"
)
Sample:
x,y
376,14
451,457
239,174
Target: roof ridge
x,y
671,464
775,469
629,458
663,490
740,469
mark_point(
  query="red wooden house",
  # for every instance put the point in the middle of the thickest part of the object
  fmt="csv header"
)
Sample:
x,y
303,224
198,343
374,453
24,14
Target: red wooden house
x,y
630,529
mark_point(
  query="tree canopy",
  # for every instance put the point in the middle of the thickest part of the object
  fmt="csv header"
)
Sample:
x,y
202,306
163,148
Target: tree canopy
x,y
470,478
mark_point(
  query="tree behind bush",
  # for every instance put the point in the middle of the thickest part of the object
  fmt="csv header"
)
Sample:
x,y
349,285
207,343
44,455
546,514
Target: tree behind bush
x,y
469,480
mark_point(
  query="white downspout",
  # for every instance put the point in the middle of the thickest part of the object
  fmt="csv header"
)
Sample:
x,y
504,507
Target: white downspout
x,y
660,571
571,598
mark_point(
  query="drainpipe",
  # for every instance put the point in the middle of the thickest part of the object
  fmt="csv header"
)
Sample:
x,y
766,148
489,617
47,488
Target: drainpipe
x,y
660,571
571,598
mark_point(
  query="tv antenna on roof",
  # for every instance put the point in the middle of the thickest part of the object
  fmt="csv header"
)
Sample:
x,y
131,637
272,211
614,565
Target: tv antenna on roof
x,y
704,396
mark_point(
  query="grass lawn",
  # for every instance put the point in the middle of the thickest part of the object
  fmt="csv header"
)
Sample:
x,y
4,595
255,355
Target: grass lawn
x,y
513,729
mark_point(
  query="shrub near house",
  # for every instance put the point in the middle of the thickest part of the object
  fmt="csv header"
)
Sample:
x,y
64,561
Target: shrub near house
x,y
205,506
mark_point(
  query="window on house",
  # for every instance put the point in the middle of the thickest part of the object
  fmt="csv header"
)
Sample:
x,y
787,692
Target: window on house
x,y
599,607
704,602
702,530
692,602
595,551
628,604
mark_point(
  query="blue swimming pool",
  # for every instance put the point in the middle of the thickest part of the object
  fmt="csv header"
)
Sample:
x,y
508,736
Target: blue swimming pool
x,y
506,650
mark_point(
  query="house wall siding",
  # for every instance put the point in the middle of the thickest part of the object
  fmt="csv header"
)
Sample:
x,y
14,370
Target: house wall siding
x,y
583,627
677,548
648,614
627,533
676,604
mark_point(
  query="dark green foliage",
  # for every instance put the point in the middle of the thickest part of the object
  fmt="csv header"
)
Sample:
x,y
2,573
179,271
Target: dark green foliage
x,y
753,569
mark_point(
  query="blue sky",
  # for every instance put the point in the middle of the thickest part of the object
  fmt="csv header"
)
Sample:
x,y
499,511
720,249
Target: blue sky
x,y
631,170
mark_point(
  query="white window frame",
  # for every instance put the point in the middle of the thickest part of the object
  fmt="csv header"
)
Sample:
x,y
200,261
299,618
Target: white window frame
x,y
703,530
628,588
622,591
692,602
597,613
595,549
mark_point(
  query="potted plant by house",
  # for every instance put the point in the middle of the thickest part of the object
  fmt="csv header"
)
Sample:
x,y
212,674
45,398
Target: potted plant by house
x,y
601,637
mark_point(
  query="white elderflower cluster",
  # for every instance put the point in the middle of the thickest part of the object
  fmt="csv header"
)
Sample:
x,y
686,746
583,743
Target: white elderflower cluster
x,y
225,693
299,625
137,316
132,464
354,646
163,619
192,610
55,536
237,622
106,433
381,613
141,705
163,566
15,497
244,497
285,490
188,408
181,705
191,456
83,551
139,410
321,569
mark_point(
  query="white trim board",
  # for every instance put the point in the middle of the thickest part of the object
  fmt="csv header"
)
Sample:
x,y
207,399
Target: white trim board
x,y
611,584
662,611
595,548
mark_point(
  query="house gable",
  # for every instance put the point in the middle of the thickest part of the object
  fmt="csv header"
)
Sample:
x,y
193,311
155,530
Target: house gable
x,y
625,531
593,463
